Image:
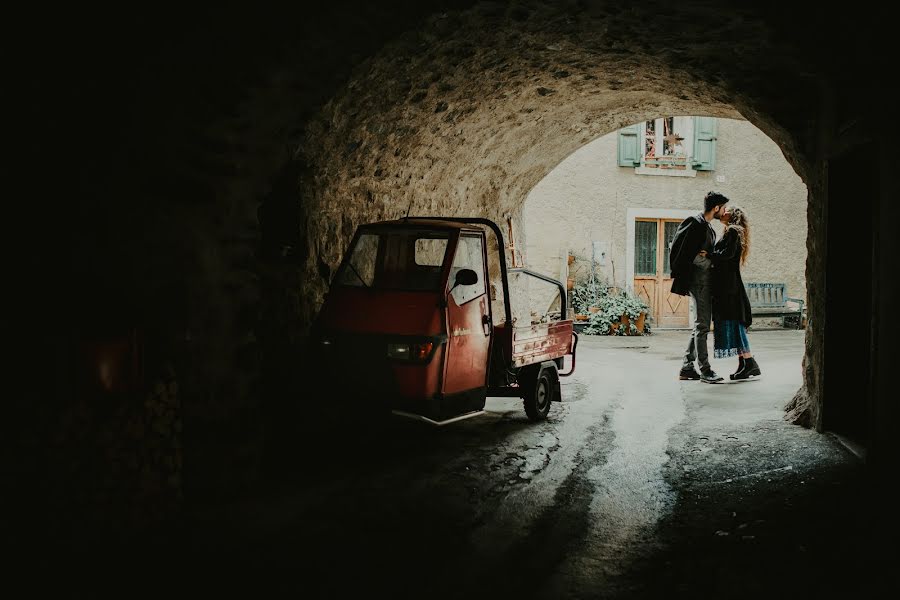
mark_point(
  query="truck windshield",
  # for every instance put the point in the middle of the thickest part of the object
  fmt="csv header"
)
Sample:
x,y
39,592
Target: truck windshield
x,y
397,260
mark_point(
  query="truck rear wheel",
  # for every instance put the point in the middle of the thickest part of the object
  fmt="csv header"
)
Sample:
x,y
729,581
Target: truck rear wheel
x,y
538,397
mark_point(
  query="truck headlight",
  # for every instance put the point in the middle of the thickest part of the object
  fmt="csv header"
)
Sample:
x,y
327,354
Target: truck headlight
x,y
398,351
413,352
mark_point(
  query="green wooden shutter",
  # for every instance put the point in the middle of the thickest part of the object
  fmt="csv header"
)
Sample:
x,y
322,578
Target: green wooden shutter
x,y
629,146
704,143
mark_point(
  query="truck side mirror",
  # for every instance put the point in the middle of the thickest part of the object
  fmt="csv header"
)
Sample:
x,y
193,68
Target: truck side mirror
x,y
466,277
463,277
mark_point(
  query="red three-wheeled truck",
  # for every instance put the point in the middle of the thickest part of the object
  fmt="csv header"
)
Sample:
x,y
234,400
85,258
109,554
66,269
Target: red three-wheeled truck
x,y
408,318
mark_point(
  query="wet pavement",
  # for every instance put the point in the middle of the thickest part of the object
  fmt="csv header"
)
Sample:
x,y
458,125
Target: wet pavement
x,y
638,485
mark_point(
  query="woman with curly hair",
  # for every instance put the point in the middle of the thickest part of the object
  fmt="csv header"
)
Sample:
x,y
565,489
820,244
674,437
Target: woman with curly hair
x,y
730,304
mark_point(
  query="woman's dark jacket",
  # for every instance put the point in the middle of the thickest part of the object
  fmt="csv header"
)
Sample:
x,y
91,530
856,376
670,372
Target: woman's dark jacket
x,y
729,298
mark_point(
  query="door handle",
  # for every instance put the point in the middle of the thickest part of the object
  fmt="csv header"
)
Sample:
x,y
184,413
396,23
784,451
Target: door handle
x,y
486,324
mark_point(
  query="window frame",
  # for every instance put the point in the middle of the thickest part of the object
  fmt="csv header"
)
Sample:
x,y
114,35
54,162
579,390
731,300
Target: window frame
x,y
483,276
687,141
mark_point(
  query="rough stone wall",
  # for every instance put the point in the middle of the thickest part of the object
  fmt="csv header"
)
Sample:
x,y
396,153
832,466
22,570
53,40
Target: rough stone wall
x,y
806,407
588,195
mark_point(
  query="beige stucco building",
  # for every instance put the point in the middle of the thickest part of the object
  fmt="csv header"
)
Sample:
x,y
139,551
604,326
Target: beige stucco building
x,y
609,201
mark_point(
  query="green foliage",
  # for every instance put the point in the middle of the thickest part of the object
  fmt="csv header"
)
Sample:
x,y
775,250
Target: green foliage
x,y
585,295
612,307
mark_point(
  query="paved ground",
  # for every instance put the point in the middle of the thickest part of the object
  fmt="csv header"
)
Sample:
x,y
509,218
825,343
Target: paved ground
x,y
639,485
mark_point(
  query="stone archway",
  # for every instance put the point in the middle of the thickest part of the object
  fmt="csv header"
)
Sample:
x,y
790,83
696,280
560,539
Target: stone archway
x,y
412,130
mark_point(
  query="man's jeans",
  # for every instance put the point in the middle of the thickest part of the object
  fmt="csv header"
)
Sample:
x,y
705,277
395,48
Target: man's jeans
x,y
700,294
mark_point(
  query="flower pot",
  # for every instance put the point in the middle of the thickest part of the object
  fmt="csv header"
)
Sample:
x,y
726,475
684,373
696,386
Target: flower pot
x,y
570,283
571,259
581,317
594,309
639,324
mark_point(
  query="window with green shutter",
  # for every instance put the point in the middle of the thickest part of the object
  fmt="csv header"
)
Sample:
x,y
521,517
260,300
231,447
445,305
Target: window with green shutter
x,y
704,144
669,146
662,143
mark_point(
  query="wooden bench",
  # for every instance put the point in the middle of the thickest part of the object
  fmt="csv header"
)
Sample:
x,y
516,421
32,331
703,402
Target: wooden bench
x,y
769,300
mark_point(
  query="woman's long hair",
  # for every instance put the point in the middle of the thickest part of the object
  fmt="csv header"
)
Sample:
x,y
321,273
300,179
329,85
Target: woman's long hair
x,y
739,222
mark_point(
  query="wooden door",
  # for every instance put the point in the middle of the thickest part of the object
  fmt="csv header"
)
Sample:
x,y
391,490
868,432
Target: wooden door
x,y
652,275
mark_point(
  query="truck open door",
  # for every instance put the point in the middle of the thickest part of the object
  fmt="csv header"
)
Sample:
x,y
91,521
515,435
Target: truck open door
x,y
469,326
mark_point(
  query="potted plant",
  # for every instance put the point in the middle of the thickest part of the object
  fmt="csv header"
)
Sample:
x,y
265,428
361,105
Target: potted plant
x,y
587,295
640,324
619,314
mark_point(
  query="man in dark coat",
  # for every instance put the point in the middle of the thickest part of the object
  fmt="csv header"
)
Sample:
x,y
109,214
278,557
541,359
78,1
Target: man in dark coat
x,y
691,276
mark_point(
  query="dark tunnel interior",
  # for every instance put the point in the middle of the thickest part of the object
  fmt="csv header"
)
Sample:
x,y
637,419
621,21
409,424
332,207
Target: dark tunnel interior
x,y
185,182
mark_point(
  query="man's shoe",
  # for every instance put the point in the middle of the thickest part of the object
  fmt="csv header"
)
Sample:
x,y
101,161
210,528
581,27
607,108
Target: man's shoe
x,y
689,374
710,377
751,371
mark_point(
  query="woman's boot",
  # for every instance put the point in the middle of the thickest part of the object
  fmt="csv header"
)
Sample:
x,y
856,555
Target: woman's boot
x,y
751,370
741,365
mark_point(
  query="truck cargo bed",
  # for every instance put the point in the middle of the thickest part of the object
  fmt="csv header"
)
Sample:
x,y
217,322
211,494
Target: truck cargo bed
x,y
544,341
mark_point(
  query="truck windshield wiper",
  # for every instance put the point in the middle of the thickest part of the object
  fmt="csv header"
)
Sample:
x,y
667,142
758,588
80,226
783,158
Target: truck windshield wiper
x,y
358,276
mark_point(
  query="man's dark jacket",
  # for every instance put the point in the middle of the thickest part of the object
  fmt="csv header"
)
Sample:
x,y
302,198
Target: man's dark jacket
x,y
693,235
